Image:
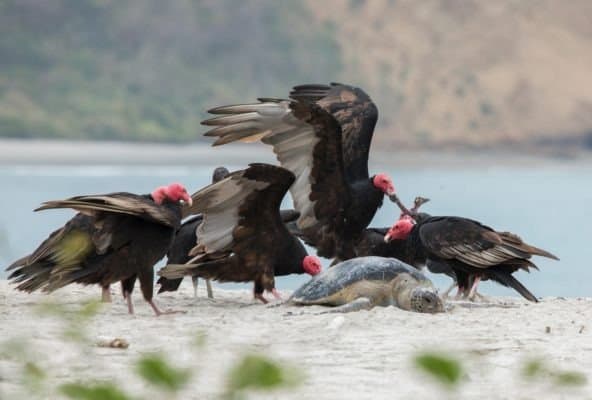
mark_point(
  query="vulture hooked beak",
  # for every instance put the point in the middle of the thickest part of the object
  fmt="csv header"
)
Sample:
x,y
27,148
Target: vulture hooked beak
x,y
387,237
187,200
418,202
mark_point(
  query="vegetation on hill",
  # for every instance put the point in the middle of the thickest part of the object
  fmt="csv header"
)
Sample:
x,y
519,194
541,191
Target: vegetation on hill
x,y
148,69
470,73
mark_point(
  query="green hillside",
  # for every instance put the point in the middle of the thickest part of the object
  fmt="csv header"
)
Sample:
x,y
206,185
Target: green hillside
x,y
444,73
147,69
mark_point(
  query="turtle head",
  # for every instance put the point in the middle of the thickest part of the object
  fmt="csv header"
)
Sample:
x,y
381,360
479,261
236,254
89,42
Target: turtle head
x,y
425,300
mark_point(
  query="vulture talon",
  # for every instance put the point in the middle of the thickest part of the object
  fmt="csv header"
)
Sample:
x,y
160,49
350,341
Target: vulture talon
x,y
259,296
276,294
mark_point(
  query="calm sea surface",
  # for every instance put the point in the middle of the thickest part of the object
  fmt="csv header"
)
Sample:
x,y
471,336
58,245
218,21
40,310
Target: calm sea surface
x,y
547,205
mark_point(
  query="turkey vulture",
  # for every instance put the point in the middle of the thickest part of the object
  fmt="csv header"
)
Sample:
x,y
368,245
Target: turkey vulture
x,y
323,135
114,237
471,250
242,237
185,240
372,243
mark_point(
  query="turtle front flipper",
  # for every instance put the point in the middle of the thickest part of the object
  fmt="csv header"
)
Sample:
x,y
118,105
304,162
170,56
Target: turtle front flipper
x,y
362,303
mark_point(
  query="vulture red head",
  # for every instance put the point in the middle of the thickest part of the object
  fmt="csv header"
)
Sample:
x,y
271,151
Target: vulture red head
x,y
311,265
400,230
384,183
173,192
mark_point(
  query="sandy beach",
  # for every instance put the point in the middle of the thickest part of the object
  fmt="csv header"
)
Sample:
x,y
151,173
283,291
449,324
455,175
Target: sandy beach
x,y
363,355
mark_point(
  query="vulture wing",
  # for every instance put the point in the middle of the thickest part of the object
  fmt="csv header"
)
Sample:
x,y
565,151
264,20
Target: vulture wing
x,y
323,136
72,252
120,203
475,244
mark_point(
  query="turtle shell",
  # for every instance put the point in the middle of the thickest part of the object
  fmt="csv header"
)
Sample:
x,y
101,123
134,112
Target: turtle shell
x,y
348,272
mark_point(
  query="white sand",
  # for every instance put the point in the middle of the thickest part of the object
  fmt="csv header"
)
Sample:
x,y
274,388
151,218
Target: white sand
x,y
363,355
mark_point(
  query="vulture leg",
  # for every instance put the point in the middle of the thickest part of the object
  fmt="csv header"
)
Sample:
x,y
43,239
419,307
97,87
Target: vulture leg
x,y
481,297
259,296
363,303
146,277
460,293
127,286
209,288
130,305
158,312
195,281
276,294
258,292
106,294
447,292
473,291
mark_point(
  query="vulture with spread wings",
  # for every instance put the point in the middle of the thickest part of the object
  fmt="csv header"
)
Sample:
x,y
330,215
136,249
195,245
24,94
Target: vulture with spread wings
x,y
114,237
322,134
242,237
470,249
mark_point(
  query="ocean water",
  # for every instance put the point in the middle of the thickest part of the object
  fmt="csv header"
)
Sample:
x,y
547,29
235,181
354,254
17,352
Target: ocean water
x,y
547,205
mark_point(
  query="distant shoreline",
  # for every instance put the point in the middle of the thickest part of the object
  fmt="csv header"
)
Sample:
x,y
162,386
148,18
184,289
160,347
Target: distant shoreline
x,y
59,152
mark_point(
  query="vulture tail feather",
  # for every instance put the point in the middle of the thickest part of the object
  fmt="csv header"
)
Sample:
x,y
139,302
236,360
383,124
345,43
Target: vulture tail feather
x,y
508,280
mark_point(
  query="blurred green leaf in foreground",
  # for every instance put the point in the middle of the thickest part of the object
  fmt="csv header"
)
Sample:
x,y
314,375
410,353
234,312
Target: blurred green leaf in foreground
x,y
260,373
444,369
155,370
99,391
538,369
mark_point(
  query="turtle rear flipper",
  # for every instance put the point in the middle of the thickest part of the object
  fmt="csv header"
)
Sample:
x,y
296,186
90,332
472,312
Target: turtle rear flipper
x,y
361,303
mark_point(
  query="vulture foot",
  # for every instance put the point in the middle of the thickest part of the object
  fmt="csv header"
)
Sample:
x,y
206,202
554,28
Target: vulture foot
x,y
106,294
158,312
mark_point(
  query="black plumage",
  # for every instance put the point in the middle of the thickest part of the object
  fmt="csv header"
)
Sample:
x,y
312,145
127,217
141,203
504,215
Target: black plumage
x,y
114,237
323,135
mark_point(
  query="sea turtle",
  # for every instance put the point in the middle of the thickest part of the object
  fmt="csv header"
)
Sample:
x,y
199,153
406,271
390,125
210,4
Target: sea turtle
x,y
364,282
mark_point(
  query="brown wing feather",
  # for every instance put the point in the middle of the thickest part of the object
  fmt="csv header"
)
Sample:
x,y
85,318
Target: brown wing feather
x,y
473,243
122,203
357,116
